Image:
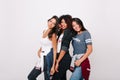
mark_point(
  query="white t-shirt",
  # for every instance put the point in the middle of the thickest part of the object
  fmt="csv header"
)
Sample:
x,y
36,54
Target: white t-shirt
x,y
46,45
59,43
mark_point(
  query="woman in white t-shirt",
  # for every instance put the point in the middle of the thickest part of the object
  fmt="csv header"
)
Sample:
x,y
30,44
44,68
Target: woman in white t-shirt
x,y
48,45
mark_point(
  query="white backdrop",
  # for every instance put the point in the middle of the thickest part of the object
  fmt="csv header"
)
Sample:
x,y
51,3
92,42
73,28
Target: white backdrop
x,y
21,23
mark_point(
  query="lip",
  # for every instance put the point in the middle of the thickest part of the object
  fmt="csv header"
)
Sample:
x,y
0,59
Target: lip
x,y
62,26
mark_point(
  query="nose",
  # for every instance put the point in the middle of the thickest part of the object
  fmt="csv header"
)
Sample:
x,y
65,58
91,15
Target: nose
x,y
74,27
51,23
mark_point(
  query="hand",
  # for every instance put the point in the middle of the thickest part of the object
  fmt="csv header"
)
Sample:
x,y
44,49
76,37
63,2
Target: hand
x,y
77,63
56,67
52,71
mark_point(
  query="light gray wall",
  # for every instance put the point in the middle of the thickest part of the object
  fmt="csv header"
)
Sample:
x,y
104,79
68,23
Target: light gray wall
x,y
21,23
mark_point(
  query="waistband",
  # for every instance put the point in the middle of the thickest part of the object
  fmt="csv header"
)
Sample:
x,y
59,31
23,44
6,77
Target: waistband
x,y
78,53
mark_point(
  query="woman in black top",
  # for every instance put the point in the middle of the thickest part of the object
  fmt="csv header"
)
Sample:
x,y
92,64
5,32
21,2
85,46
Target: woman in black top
x,y
64,58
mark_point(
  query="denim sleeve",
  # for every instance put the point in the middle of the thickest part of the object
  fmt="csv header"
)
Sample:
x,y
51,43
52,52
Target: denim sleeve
x,y
67,37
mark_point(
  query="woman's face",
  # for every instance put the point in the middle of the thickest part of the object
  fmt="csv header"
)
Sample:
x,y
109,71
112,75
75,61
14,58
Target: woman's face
x,y
63,24
75,26
51,23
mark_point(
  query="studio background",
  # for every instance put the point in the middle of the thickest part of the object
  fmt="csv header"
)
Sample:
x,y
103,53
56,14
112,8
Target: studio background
x,y
22,22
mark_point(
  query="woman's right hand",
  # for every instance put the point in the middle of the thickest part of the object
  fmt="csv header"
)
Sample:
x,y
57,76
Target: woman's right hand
x,y
52,71
56,67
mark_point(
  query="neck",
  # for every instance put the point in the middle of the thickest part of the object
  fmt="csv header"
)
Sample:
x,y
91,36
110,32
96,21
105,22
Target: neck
x,y
79,32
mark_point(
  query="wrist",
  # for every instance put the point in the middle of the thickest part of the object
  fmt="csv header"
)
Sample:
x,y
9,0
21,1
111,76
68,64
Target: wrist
x,y
57,62
80,61
53,65
49,28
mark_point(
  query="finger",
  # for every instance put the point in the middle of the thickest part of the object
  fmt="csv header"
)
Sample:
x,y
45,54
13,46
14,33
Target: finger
x,y
75,63
51,73
57,70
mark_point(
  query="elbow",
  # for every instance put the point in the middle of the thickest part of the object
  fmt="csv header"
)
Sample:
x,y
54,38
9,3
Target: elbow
x,y
64,48
91,50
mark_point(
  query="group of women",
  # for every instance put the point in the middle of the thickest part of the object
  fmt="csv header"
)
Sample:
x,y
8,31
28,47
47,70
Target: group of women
x,y
54,56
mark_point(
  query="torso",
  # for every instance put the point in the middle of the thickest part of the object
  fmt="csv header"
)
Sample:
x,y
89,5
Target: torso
x,y
79,43
46,44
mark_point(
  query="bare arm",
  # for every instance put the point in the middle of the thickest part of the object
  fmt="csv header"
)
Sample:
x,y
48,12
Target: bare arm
x,y
39,51
54,44
62,53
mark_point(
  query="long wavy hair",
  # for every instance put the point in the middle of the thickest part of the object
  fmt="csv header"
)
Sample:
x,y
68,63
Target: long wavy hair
x,y
54,29
68,21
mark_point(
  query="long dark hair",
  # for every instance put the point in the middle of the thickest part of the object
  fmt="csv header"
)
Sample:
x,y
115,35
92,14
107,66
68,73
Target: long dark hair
x,y
54,29
80,23
68,20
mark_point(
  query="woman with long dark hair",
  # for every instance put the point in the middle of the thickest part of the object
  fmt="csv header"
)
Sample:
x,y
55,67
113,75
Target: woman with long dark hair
x,y
64,58
48,46
82,48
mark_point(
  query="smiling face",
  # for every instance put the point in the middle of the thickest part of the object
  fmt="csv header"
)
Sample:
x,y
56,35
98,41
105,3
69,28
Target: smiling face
x,y
75,26
63,24
52,23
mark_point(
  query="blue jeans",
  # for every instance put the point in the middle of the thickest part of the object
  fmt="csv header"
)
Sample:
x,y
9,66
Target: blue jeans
x,y
49,61
77,74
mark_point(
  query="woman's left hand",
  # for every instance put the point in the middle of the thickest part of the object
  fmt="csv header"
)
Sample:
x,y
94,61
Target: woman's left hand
x,y
77,63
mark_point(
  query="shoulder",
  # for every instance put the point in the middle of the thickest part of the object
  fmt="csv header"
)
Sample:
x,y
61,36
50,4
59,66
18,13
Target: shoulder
x,y
54,35
68,32
86,32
